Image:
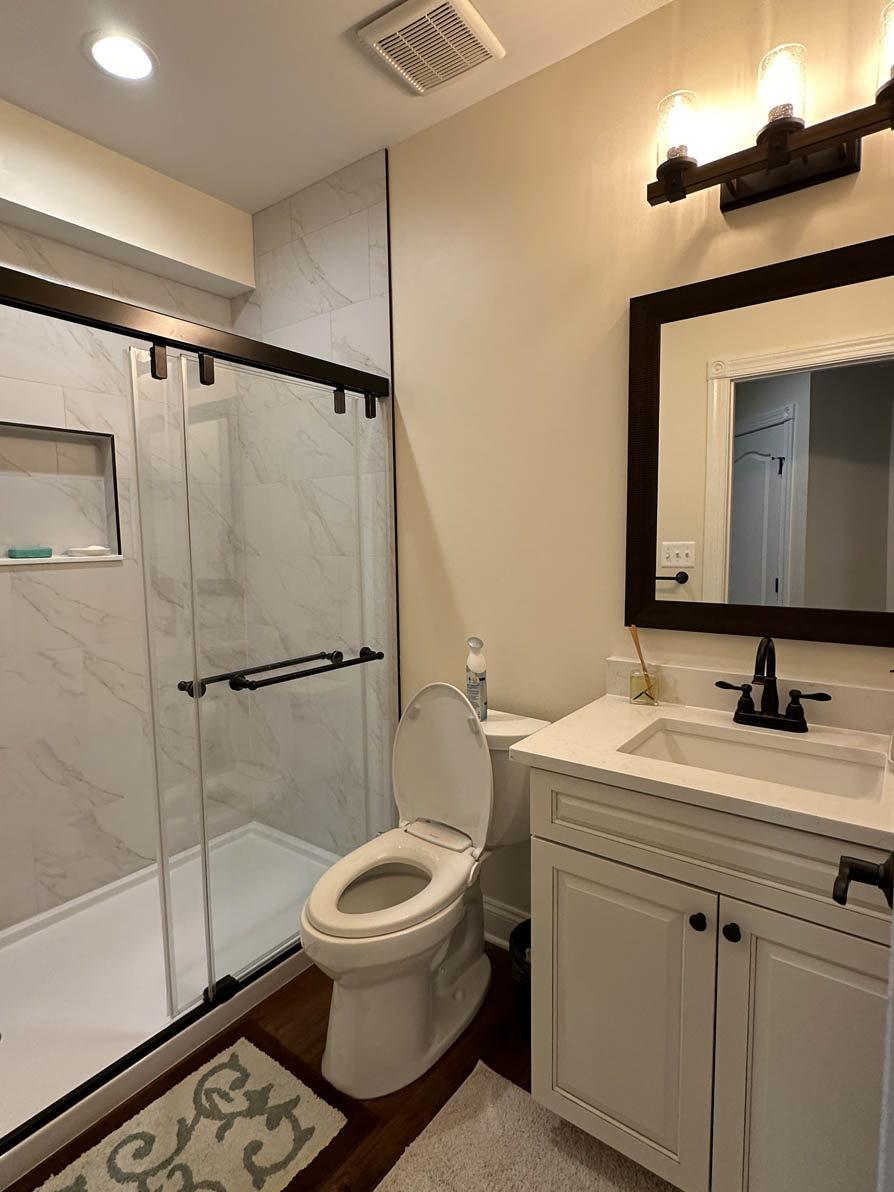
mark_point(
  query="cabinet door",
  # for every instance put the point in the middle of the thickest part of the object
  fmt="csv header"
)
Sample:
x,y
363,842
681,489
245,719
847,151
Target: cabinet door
x,y
800,1048
623,1012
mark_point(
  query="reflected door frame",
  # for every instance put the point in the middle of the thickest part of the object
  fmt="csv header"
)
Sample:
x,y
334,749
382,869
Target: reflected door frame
x,y
722,376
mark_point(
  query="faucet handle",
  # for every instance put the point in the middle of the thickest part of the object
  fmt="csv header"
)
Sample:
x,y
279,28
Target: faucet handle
x,y
746,703
795,712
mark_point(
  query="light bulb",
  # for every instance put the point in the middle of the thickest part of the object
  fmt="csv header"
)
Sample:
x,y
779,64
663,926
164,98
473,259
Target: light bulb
x,y
122,57
886,52
782,83
678,126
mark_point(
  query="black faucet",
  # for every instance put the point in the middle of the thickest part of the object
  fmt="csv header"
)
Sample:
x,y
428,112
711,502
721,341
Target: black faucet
x,y
765,676
794,720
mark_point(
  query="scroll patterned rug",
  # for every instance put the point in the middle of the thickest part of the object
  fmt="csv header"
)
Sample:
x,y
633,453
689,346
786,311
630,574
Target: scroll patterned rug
x,y
239,1122
491,1136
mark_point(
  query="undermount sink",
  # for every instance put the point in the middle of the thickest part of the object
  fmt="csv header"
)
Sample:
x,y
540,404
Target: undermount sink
x,y
841,770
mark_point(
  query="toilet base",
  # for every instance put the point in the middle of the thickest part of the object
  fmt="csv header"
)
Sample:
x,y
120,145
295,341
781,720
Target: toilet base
x,y
386,1029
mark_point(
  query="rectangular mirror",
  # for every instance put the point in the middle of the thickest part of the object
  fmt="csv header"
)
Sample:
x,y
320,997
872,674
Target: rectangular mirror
x,y
761,455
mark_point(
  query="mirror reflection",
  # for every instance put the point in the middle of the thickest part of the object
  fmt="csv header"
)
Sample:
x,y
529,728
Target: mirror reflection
x,y
776,453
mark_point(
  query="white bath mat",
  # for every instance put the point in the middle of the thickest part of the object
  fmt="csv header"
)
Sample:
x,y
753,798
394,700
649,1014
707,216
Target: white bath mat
x,y
491,1136
240,1122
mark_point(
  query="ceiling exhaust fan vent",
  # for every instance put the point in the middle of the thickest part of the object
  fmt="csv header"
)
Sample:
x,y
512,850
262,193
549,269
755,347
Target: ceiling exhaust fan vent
x,y
428,44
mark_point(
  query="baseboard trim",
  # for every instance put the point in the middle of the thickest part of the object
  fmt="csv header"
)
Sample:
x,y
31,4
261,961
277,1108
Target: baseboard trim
x,y
499,920
68,1125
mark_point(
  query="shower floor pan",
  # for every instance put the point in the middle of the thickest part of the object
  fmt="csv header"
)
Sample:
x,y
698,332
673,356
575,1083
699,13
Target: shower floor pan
x,y
83,984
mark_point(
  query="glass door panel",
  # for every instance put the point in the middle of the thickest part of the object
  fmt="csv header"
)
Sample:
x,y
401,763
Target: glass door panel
x,y
164,528
276,541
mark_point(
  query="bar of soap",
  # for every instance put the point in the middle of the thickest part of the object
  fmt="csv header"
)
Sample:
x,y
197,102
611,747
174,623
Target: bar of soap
x,y
30,552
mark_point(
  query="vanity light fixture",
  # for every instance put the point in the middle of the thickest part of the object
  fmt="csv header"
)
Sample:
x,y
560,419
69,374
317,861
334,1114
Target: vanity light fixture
x,y
789,155
123,57
782,87
677,136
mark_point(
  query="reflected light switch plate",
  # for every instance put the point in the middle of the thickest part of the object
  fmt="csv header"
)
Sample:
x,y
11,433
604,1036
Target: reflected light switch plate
x,y
678,554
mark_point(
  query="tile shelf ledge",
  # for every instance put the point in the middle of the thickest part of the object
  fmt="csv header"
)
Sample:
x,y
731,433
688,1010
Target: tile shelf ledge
x,y
52,560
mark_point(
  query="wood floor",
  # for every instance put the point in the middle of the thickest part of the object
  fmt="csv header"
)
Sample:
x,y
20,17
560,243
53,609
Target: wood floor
x,y
296,1016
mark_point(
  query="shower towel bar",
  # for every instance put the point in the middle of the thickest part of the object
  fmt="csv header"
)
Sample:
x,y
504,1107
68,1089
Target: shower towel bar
x,y
188,685
240,683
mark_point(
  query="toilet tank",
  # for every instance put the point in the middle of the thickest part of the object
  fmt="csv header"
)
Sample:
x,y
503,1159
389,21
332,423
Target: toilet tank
x,y
510,821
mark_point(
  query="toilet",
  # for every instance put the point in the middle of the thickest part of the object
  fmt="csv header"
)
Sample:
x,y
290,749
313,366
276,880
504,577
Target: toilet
x,y
398,923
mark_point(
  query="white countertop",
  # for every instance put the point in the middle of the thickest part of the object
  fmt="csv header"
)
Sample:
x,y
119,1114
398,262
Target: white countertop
x,y
586,744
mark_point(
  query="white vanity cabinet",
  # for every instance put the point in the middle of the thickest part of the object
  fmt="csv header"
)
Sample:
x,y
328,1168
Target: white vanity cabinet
x,y
700,1003
624,1008
799,1054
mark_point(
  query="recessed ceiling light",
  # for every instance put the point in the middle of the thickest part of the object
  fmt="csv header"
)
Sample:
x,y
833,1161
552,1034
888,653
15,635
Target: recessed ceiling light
x,y
121,56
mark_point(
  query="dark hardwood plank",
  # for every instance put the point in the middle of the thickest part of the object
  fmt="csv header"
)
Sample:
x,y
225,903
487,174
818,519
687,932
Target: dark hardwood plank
x,y
296,1017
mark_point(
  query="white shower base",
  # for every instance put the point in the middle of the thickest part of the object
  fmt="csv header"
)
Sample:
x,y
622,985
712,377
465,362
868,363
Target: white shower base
x,y
83,984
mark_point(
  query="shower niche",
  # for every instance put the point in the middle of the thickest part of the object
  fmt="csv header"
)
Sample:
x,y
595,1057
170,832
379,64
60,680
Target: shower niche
x,y
58,491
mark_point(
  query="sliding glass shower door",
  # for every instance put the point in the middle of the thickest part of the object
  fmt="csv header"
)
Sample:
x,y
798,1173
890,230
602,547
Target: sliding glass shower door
x,y
276,496
268,555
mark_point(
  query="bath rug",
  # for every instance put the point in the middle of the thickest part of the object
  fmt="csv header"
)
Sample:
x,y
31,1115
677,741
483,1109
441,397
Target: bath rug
x,y
239,1122
491,1136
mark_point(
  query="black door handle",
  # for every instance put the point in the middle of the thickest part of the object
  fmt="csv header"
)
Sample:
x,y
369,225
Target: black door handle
x,y
698,922
853,869
732,932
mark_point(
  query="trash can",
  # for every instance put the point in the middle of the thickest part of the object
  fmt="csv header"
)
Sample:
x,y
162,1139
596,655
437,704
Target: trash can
x,y
520,955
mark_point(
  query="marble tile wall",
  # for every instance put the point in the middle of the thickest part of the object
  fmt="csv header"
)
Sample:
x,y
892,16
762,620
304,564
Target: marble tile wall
x,y
319,512
321,259
77,795
75,733
298,501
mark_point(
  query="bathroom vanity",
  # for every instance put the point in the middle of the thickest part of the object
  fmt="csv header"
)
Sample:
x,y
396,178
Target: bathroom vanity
x,y
700,1002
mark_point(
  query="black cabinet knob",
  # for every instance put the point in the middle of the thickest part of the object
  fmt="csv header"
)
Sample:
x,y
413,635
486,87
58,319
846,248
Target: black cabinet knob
x,y
698,922
732,932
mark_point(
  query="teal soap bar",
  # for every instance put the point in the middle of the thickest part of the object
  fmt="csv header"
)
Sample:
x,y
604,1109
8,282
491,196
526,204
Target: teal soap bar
x,y
30,552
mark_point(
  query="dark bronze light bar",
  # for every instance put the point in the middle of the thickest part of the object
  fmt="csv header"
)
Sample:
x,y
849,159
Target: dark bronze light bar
x,y
783,161
788,156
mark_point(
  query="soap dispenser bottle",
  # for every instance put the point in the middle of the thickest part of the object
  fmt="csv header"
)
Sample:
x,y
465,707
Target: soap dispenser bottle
x,y
476,677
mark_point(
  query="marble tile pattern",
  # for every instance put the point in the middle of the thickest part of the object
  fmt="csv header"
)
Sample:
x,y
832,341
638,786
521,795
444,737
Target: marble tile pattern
x,y
318,509
307,508
78,800
321,260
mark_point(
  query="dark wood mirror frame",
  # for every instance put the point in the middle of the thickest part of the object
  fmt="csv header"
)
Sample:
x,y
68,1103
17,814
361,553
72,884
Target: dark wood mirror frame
x,y
822,271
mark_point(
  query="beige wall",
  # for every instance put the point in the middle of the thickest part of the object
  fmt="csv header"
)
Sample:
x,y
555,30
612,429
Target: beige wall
x,y
519,232
58,184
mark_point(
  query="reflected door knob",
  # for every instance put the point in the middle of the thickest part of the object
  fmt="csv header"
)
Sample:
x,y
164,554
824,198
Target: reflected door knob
x,y
732,932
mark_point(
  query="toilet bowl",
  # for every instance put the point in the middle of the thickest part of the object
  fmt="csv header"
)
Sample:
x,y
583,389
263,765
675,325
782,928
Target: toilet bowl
x,y
398,923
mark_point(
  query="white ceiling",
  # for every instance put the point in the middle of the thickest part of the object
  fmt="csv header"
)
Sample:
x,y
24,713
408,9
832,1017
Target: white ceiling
x,y
254,99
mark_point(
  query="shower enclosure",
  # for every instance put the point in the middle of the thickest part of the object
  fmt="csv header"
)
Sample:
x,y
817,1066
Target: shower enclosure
x,y
194,725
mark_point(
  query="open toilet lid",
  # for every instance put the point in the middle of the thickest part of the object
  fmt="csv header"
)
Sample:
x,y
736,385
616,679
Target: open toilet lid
x,y
441,763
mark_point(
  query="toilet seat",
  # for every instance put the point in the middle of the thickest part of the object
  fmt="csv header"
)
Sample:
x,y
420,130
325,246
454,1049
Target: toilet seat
x,y
449,871
443,786
441,765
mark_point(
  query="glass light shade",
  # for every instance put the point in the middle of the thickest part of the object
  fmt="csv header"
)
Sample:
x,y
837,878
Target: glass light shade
x,y
886,46
122,57
782,83
677,126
